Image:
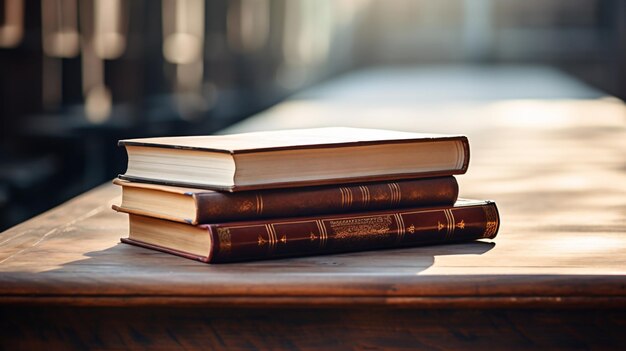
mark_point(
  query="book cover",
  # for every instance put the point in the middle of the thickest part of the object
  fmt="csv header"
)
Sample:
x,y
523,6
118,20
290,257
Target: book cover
x,y
196,206
250,240
294,158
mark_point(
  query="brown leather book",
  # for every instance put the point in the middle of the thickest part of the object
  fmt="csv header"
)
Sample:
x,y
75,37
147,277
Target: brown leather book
x,y
262,239
196,206
292,158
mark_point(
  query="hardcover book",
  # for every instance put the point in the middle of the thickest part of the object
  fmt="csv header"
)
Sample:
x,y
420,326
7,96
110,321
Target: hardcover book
x,y
196,206
249,240
291,158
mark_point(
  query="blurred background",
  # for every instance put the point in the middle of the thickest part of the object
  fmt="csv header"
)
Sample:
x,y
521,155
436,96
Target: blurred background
x,y
78,75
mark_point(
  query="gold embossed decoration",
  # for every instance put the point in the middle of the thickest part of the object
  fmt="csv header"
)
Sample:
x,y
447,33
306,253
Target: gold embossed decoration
x,y
223,235
246,206
491,219
261,240
361,230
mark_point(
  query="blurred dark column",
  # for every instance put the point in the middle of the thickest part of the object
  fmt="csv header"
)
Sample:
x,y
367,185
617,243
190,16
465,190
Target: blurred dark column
x,y
77,75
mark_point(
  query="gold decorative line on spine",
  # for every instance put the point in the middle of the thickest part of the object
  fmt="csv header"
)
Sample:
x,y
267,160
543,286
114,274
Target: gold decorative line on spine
x,y
343,198
259,204
491,221
348,196
323,233
449,223
452,224
401,222
365,194
274,236
271,235
223,234
401,229
399,192
395,193
319,229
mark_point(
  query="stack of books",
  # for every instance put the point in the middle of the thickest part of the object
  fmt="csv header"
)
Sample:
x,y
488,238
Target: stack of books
x,y
300,192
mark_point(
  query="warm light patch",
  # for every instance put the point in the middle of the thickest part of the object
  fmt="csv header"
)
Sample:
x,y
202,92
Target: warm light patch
x,y
98,104
585,244
183,30
109,40
556,113
12,25
59,28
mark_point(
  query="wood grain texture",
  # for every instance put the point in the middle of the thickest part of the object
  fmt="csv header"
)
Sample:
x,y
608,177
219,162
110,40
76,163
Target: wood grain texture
x,y
308,329
561,197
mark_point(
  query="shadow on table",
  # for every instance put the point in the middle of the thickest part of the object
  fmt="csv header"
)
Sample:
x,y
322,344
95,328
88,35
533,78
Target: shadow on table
x,y
123,258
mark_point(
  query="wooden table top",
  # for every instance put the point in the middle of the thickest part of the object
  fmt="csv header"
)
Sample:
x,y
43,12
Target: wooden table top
x,y
556,168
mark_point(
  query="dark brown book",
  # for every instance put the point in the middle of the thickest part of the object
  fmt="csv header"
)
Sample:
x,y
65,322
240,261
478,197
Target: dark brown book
x,y
261,239
197,206
293,158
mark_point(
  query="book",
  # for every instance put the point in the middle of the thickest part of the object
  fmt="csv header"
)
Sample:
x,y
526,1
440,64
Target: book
x,y
196,206
249,240
291,158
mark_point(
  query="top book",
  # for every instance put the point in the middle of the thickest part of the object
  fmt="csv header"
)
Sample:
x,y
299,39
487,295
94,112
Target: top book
x,y
292,158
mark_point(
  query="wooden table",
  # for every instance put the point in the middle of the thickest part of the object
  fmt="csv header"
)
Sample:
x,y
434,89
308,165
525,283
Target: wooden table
x,y
553,278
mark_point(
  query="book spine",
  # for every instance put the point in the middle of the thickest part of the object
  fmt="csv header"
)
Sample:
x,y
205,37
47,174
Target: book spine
x,y
220,207
300,237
